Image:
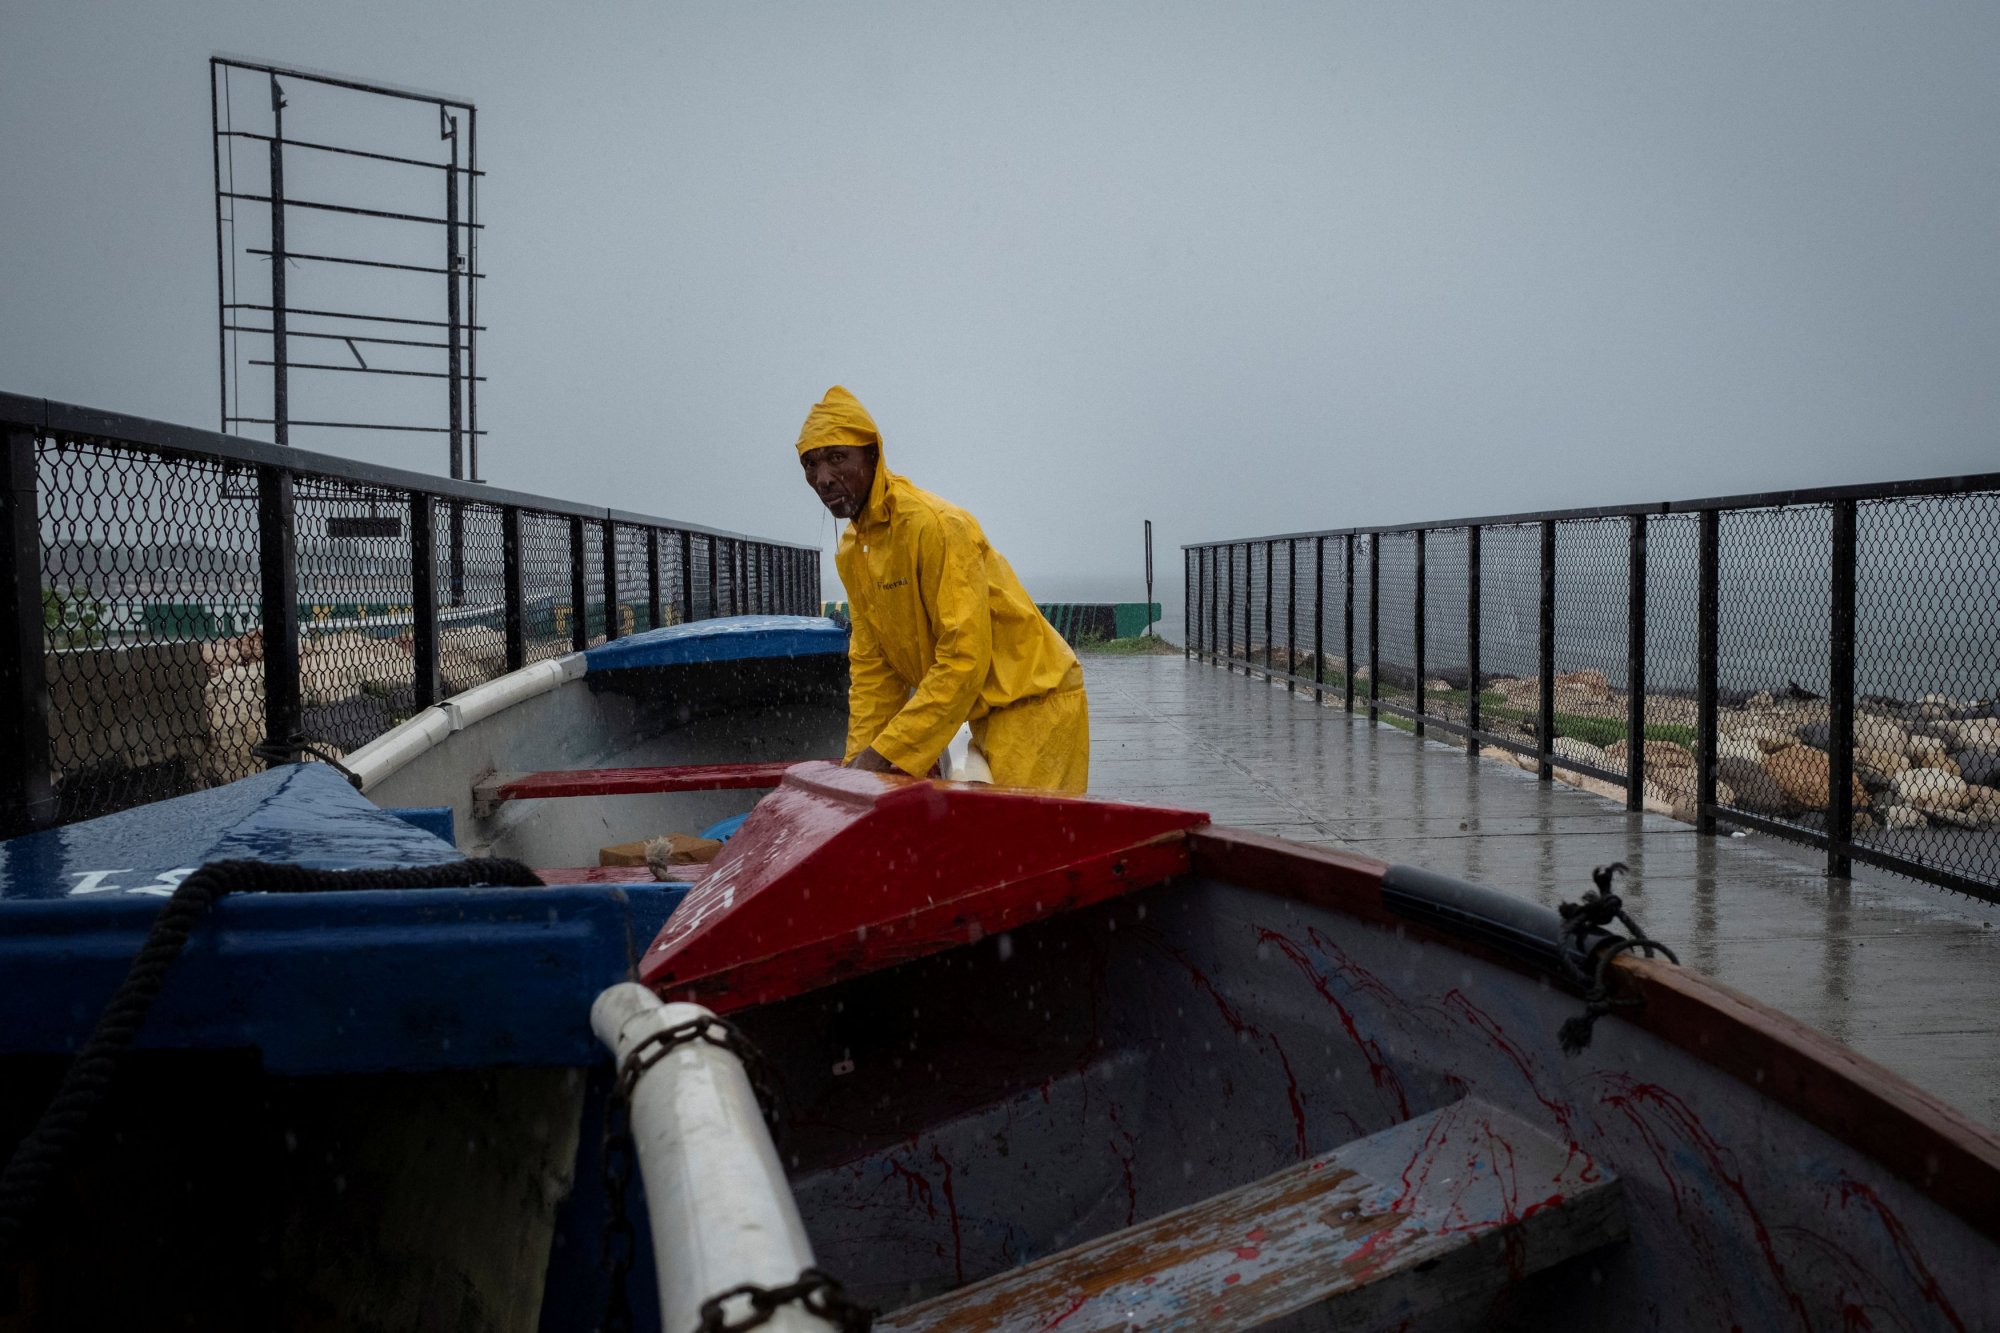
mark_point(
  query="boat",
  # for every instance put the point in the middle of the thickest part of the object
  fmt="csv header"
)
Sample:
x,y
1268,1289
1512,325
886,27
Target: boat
x,y
965,1057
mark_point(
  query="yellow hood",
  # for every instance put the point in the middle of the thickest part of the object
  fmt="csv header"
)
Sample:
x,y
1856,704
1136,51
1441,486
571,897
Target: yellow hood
x,y
838,418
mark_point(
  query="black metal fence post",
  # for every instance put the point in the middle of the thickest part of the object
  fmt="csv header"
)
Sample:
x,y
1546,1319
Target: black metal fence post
x,y
1347,642
1187,603
1545,723
687,577
1211,591
1270,579
656,607
1417,690
1291,613
579,588
279,602
1229,620
1472,681
281,413
27,796
714,575
1319,620
1840,697
1249,593
1635,665
424,597
613,621
1707,614
1374,625
513,612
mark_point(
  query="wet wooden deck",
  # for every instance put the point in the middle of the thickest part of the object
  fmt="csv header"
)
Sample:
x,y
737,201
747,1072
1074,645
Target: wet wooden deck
x,y
1906,974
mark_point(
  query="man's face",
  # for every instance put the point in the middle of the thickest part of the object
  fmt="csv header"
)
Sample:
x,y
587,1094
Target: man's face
x,y
841,476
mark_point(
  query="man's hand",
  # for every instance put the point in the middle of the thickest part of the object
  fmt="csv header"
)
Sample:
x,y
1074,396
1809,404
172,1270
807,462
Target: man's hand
x,y
870,762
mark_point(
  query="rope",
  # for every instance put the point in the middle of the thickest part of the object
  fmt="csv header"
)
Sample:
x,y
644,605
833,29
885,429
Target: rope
x,y
39,1157
282,752
1591,969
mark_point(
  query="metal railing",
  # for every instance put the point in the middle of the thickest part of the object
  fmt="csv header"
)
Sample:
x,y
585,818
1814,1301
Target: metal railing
x,y
1818,665
179,608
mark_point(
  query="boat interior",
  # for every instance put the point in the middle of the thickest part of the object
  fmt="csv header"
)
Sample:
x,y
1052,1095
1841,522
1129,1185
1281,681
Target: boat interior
x,y
1215,1104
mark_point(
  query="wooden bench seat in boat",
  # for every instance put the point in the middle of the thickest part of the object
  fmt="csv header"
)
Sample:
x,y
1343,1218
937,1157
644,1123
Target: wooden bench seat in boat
x,y
1440,1210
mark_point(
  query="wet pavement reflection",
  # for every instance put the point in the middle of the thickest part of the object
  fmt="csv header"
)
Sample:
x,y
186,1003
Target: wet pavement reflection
x,y
1907,974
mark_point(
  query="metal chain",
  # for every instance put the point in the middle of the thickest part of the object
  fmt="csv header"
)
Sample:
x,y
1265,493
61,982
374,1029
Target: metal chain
x,y
620,1240
719,1032
818,1291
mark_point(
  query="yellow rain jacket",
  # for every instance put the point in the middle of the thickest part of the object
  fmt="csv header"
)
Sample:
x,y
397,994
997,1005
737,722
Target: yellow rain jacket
x,y
944,633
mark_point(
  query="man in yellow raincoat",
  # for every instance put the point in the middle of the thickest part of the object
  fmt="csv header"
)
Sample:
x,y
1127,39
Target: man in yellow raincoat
x,y
944,633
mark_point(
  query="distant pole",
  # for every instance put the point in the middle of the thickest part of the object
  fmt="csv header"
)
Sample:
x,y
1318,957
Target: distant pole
x,y
1149,578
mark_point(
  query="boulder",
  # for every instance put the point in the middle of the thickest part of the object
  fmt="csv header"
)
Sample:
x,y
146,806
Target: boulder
x,y
1756,790
1670,710
1580,752
1806,775
1974,734
1872,731
1922,749
1729,747
1930,790
1591,685
1760,733
1876,767
1903,816
1659,754
1815,734
1610,791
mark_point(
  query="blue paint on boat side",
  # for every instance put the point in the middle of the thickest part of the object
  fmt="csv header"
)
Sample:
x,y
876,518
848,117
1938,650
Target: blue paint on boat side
x,y
349,982
352,982
436,820
728,639
305,814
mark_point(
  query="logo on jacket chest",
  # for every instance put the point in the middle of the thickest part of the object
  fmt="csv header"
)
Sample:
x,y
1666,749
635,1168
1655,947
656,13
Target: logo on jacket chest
x,y
892,583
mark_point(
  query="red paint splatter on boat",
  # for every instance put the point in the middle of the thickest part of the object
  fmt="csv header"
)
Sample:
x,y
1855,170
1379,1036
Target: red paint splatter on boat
x,y
1232,1279
1256,1233
916,1185
1852,1190
951,1205
1075,1305
1635,1100
1379,1069
1247,1252
1456,1000
1243,1027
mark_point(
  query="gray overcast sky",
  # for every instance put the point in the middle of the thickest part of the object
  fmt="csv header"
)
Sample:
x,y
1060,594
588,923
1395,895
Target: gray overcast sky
x,y
1237,268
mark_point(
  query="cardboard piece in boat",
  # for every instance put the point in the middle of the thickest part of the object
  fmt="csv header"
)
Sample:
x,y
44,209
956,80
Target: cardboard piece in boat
x,y
840,872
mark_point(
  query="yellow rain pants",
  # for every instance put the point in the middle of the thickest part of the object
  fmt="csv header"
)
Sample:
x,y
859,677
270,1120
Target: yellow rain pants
x,y
944,633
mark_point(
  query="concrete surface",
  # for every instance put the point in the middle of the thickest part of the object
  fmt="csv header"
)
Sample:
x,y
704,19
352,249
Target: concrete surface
x,y
1906,974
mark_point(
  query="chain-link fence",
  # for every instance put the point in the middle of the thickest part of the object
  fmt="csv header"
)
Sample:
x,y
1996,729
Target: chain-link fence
x,y
180,608
1822,666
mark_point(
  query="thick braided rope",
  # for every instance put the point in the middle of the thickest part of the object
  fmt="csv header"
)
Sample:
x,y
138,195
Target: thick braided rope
x,y
40,1155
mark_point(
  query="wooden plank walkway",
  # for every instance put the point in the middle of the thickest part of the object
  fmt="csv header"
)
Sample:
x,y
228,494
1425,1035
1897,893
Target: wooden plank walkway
x,y
1906,974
